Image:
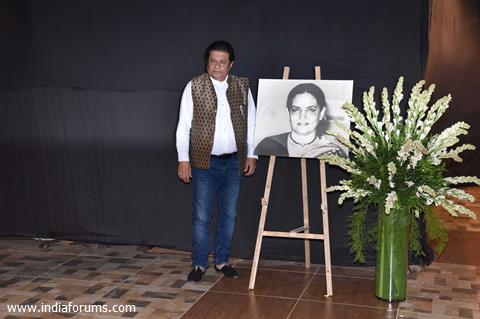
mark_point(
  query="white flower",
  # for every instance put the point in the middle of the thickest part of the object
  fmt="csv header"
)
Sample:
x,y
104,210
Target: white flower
x,y
372,139
415,158
344,163
392,170
447,138
372,180
404,151
454,154
390,201
435,112
462,180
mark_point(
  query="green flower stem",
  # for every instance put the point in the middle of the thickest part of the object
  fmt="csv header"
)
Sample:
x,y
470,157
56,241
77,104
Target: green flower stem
x,y
392,255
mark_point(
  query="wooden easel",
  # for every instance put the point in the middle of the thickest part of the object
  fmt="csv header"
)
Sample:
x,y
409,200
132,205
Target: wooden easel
x,y
301,232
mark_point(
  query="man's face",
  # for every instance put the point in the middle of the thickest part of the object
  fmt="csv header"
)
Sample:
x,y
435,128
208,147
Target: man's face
x,y
218,65
304,114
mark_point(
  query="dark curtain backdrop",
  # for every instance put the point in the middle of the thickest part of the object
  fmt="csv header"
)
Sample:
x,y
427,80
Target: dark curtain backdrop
x,y
89,103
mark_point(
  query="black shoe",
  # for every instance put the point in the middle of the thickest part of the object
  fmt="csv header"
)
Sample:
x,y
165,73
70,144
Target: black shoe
x,y
228,271
196,274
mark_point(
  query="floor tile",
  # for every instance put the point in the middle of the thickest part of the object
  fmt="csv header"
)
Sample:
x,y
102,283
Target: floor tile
x,y
346,290
172,274
449,290
7,315
107,269
329,310
97,316
66,290
150,301
47,291
268,283
122,251
9,282
278,265
30,263
360,271
177,258
235,306
419,315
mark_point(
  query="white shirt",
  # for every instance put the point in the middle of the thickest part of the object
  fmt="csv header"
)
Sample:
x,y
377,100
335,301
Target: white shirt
x,y
224,137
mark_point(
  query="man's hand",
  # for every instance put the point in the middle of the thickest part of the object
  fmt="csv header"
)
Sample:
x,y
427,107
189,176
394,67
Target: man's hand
x,y
250,165
184,171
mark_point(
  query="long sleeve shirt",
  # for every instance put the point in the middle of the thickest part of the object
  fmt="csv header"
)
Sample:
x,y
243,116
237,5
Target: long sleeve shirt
x,y
224,137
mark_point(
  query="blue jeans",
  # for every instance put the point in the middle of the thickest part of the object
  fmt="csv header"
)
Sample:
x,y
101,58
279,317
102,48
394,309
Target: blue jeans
x,y
220,183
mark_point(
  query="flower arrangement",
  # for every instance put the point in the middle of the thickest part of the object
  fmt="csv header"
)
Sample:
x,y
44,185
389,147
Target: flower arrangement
x,y
398,166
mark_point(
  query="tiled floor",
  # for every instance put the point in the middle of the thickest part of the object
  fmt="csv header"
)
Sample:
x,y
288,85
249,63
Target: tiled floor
x,y
449,288
286,290
153,280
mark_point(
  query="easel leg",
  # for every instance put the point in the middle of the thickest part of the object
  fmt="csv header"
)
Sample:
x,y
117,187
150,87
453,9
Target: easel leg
x,y
326,232
306,224
261,225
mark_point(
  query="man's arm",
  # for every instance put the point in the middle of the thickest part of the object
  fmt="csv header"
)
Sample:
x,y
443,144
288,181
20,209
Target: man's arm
x,y
251,161
183,134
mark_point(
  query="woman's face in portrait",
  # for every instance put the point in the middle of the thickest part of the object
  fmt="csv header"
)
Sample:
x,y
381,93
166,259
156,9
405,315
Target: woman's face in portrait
x,y
304,113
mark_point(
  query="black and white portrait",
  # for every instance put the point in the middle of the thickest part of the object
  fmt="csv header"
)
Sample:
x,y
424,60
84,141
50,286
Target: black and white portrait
x,y
293,116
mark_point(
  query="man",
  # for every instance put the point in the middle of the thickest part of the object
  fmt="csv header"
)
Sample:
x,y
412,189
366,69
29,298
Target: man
x,y
215,148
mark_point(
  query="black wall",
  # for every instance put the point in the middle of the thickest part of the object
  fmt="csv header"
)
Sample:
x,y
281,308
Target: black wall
x,y
89,95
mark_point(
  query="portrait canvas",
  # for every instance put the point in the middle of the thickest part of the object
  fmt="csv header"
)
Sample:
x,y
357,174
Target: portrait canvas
x,y
293,116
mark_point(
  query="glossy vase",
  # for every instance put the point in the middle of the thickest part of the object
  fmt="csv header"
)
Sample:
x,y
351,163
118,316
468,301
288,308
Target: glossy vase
x,y
392,255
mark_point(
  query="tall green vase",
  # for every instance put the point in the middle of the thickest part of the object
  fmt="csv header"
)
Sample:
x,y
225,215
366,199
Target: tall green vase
x,y
392,255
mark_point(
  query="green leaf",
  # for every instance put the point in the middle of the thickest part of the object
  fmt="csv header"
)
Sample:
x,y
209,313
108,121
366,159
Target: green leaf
x,y
436,229
356,233
414,238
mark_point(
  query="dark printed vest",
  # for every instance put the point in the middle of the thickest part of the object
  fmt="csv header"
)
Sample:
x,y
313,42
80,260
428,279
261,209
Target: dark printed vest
x,y
204,114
